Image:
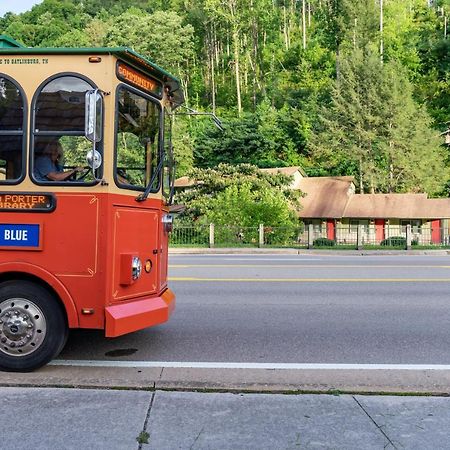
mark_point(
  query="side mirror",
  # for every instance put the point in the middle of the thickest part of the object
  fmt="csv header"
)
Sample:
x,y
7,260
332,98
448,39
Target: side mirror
x,y
94,159
93,115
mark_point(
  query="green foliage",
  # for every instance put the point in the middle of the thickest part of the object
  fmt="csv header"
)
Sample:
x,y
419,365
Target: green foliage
x,y
74,38
374,124
261,139
397,241
183,146
394,241
324,242
161,36
240,204
240,195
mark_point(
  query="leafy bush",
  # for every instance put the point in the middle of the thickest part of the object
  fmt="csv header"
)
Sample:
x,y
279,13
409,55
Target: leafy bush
x,y
324,242
397,241
283,235
394,241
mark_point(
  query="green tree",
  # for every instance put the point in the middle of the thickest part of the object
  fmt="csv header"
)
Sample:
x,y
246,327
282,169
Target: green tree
x,y
74,38
160,36
375,130
182,146
245,186
242,205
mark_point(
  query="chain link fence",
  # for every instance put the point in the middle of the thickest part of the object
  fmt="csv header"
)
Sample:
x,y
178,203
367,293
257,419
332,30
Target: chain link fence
x,y
347,236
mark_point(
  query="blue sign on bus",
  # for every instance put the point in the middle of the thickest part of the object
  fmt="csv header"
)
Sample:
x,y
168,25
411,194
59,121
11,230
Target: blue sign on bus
x,y
23,235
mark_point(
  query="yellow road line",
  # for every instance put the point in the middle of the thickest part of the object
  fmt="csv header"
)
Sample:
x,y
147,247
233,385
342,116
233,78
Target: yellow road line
x,y
316,280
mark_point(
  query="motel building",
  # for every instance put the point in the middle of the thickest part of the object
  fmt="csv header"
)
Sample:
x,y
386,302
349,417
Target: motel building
x,y
335,211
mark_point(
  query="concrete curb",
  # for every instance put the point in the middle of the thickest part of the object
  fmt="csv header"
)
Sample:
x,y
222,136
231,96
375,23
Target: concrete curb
x,y
400,382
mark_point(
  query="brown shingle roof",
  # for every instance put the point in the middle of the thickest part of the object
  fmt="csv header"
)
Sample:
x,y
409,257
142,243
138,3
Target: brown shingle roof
x,y
384,205
397,206
334,198
325,196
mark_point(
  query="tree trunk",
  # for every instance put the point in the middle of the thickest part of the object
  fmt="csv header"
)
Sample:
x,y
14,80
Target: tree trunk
x,y
304,23
213,84
361,185
285,30
381,32
237,73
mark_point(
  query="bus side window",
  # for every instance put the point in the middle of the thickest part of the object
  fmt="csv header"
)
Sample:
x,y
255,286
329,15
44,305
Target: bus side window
x,y
59,127
12,124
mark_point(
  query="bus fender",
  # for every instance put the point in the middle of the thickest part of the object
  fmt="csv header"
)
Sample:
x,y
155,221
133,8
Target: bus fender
x,y
51,280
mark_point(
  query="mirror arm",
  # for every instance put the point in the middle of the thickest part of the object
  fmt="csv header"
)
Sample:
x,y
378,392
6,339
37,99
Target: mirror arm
x,y
144,195
193,112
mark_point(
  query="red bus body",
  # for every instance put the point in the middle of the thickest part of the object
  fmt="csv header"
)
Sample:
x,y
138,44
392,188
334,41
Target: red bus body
x,y
101,252
84,256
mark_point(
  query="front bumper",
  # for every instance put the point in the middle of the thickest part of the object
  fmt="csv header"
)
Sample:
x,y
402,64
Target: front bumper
x,y
136,315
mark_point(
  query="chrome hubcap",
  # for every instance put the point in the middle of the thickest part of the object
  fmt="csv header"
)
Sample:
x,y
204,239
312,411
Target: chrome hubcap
x,y
22,327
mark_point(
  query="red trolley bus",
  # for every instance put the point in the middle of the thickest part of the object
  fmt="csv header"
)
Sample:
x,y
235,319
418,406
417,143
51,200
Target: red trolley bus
x,y
86,180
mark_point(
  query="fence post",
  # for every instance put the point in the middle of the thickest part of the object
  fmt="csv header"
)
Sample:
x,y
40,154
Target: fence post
x,y
310,236
211,235
261,235
408,236
359,236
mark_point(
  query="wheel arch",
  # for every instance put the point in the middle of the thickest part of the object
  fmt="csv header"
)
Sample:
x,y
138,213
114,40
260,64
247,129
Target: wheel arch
x,y
36,274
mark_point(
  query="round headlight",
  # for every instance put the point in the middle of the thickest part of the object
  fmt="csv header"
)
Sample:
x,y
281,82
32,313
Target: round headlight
x,y
136,267
167,221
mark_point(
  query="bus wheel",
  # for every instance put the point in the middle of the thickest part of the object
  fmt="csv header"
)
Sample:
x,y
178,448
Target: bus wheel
x,y
33,328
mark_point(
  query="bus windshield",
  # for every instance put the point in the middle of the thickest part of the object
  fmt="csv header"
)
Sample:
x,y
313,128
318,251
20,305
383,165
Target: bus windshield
x,y
138,133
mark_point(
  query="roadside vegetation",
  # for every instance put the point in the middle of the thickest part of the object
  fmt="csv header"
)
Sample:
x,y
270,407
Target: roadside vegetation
x,y
339,87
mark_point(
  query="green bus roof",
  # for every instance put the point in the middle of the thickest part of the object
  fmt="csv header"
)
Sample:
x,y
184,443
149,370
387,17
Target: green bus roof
x,y
9,46
7,42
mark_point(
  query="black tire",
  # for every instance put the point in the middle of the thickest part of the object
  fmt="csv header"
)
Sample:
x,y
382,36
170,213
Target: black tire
x,y
33,326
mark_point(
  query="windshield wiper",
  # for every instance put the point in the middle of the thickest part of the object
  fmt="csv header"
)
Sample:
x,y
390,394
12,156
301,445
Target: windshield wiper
x,y
144,195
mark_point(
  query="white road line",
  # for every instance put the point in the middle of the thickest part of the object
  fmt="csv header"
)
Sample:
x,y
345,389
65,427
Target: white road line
x,y
237,365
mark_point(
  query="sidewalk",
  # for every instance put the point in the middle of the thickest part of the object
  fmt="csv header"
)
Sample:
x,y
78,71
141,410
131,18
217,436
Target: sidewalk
x,y
60,418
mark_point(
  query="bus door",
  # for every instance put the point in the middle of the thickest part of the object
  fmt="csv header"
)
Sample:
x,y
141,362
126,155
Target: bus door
x,y
137,163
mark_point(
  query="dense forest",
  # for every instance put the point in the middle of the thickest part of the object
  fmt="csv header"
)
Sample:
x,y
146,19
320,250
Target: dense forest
x,y
340,87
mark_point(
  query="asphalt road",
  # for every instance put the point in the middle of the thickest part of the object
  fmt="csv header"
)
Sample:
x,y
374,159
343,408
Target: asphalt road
x,y
280,309
293,309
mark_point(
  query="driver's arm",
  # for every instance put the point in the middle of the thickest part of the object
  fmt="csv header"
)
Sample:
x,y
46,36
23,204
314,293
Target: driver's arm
x,y
62,176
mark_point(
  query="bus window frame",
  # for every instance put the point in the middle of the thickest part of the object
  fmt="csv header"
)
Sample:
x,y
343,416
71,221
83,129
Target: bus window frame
x,y
168,196
157,102
23,133
33,134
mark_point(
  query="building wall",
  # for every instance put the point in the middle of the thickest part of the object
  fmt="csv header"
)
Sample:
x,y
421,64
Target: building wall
x,y
345,231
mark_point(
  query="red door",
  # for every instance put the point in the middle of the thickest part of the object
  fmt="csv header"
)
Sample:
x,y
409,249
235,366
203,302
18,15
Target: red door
x,y
331,230
436,231
379,230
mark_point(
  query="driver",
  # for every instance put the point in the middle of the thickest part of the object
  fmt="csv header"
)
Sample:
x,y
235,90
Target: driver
x,y
48,166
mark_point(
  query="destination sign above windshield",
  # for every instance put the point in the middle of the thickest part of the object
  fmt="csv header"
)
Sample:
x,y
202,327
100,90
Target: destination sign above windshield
x,y
139,80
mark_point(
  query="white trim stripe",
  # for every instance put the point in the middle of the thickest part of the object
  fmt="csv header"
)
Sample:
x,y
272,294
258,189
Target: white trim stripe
x,y
237,365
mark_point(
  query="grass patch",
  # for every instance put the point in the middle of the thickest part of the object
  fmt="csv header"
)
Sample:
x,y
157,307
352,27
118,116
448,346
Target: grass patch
x,y
143,437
